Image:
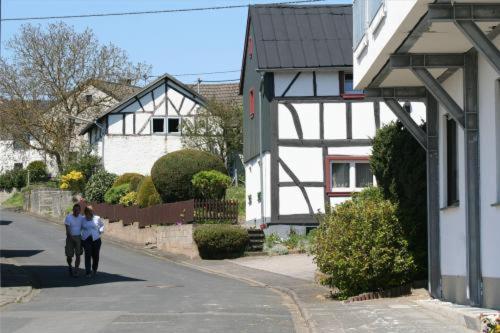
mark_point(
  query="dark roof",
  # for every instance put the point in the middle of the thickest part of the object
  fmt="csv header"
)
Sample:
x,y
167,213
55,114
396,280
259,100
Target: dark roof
x,y
221,92
118,91
302,36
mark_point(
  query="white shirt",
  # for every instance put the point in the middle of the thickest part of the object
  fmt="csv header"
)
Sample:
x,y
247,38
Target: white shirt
x,y
94,228
74,223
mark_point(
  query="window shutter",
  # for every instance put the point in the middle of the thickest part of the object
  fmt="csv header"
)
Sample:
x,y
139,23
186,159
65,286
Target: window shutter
x,y
251,103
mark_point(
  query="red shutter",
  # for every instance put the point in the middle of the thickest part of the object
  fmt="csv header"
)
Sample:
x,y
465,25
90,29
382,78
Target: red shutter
x,y
251,103
250,47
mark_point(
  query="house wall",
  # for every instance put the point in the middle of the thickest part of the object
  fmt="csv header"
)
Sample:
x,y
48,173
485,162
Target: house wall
x,y
252,188
10,156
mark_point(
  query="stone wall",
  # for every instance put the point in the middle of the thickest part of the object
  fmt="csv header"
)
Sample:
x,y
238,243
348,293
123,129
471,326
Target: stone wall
x,y
48,202
176,239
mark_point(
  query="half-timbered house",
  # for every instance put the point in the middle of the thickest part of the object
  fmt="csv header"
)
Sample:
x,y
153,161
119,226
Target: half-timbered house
x,y
131,135
307,132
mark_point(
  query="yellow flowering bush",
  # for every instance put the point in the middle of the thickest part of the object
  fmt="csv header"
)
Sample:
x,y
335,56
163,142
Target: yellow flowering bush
x,y
73,181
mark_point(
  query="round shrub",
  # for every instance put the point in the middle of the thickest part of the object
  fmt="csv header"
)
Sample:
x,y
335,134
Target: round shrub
x,y
114,194
278,249
360,245
147,194
98,185
132,178
38,171
173,172
219,241
129,199
211,184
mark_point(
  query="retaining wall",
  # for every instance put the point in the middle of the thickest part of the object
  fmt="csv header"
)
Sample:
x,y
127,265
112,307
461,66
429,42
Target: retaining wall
x,y
48,202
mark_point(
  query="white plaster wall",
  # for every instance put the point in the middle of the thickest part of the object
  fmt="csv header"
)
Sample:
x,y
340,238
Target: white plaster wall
x,y
452,220
134,107
9,156
357,151
115,125
286,127
489,99
334,201
133,153
309,119
252,187
363,120
335,121
305,162
327,83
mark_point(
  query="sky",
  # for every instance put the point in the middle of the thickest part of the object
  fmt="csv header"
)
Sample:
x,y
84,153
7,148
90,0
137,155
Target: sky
x,y
174,43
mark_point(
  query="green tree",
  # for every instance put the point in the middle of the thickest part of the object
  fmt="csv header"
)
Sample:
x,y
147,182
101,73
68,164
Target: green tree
x,y
399,164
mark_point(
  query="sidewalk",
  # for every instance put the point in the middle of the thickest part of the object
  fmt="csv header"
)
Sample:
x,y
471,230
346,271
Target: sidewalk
x,y
16,284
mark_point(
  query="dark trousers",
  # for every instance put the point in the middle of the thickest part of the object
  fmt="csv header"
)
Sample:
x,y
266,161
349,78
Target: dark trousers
x,y
92,248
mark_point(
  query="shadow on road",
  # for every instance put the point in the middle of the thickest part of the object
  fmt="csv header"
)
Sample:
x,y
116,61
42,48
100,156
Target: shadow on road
x,y
54,277
18,253
5,222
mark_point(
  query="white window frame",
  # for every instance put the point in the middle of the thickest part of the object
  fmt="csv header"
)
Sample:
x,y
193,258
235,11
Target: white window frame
x,y
180,123
352,176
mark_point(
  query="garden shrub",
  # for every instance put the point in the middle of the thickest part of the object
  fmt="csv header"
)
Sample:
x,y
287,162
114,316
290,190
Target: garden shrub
x,y
129,199
278,249
114,194
211,184
38,171
360,245
98,185
85,162
132,178
173,172
73,181
399,164
11,179
147,194
219,241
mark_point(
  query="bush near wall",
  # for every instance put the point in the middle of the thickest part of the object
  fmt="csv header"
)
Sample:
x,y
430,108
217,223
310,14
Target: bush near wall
x,y
38,171
132,178
173,172
211,184
220,241
399,164
13,179
114,194
147,194
98,185
361,247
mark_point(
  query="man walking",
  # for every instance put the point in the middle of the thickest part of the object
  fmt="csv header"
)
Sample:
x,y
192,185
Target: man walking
x,y
73,223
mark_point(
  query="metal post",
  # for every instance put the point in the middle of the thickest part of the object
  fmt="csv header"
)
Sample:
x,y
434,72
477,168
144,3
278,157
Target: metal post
x,y
261,155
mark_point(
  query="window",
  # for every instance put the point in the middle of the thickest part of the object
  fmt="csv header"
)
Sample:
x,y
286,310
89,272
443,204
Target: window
x,y
173,125
347,174
251,104
158,125
451,163
88,98
347,87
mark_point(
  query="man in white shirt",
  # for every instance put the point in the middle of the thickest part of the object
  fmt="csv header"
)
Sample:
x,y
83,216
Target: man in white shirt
x,y
73,223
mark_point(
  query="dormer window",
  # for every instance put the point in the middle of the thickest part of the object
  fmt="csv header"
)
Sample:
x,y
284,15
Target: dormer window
x,y
347,87
88,98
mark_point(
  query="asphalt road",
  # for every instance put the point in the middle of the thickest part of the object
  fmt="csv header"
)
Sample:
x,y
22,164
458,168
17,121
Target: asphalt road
x,y
133,292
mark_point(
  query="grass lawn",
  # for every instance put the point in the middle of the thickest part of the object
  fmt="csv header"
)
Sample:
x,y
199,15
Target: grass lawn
x,y
16,200
237,193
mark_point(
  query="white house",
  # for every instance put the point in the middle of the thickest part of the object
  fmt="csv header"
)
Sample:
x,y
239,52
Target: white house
x,y
131,135
450,48
307,132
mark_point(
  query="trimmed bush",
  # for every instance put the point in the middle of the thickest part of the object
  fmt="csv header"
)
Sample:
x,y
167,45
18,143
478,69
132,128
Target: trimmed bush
x,y
173,172
211,184
399,164
147,194
98,185
38,171
129,199
114,194
360,245
132,178
11,179
219,241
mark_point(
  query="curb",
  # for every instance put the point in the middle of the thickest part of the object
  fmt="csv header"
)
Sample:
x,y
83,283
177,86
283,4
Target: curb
x,y
300,315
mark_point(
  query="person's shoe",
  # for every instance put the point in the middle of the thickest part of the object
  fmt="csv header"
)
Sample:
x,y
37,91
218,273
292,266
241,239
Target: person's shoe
x,y
70,271
88,275
94,273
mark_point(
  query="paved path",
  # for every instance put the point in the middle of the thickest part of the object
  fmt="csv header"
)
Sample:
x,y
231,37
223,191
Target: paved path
x,y
133,292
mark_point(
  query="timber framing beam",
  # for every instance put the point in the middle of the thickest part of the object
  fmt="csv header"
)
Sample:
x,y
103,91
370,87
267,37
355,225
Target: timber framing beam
x,y
413,60
480,41
405,118
435,88
397,92
447,12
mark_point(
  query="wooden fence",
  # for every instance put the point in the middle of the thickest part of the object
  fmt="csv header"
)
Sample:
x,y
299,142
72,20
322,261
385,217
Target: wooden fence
x,y
180,212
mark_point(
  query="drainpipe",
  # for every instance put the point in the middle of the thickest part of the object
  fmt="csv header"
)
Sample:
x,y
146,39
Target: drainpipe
x,y
261,155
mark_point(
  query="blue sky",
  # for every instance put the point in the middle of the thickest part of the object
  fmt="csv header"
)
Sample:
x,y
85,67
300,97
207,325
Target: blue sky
x,y
175,43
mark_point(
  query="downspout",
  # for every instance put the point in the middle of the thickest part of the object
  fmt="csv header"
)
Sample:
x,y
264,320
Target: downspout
x,y
261,155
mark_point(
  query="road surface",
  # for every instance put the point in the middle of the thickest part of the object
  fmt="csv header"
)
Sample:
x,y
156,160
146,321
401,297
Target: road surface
x,y
133,292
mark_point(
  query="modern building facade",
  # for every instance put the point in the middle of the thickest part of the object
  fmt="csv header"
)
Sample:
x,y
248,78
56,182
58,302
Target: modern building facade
x,y
450,49
307,132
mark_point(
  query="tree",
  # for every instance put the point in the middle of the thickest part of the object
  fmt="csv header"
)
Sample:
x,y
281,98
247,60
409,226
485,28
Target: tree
x,y
217,129
399,164
44,85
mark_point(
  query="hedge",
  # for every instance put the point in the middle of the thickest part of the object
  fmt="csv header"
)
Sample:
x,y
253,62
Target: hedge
x,y
114,194
360,245
211,184
132,178
38,171
173,172
147,194
220,241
